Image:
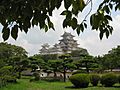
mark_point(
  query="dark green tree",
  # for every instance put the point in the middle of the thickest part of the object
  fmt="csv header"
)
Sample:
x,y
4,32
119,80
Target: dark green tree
x,y
49,57
11,55
24,14
54,66
79,52
36,62
86,62
66,64
112,59
19,64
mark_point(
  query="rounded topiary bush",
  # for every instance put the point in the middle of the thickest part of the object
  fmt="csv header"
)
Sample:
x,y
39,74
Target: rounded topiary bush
x,y
108,80
94,79
80,80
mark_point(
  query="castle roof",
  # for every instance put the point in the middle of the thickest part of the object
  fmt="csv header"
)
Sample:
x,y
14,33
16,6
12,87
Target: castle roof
x,y
67,34
66,44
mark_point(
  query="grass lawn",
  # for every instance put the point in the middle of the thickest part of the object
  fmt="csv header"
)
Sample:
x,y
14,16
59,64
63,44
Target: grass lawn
x,y
24,84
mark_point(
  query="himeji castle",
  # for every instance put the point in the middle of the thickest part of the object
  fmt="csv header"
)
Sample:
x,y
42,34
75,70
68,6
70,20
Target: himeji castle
x,y
65,45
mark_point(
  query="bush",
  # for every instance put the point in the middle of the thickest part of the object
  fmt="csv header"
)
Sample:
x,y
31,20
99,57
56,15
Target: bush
x,y
94,79
108,80
10,79
80,80
2,82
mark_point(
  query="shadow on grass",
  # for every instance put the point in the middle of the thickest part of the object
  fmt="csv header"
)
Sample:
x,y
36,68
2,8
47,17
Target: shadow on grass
x,y
116,86
73,87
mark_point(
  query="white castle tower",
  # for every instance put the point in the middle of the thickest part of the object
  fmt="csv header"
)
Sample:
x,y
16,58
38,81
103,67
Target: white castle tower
x,y
66,45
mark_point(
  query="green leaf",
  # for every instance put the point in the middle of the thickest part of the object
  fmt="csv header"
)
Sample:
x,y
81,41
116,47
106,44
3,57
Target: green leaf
x,y
67,3
34,22
85,25
25,29
74,23
41,24
106,1
117,7
108,17
82,4
14,32
95,21
110,29
106,8
64,23
6,33
69,15
101,35
78,30
66,12
58,3
27,11
111,6
92,19
106,32
50,24
81,27
46,28
75,8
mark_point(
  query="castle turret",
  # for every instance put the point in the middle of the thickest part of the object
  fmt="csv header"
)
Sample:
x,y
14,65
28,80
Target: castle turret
x,y
67,43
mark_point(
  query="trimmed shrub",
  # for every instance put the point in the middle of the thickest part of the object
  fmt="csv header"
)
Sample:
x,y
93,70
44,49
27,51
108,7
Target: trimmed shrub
x,y
94,79
108,80
80,80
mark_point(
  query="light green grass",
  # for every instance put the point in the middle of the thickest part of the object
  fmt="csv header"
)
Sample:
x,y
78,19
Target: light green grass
x,y
24,84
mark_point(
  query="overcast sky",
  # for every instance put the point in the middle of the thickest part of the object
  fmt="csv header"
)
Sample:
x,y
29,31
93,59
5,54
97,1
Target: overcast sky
x,y
89,39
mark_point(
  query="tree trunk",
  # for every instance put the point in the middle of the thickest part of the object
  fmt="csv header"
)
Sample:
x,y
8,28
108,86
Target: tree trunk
x,y
87,69
64,75
55,75
19,74
111,69
48,74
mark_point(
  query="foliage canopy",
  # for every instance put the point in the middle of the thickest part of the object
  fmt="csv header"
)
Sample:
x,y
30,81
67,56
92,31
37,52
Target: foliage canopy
x,y
24,14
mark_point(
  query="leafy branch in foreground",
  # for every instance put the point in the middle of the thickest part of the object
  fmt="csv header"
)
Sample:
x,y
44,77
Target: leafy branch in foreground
x,y
21,15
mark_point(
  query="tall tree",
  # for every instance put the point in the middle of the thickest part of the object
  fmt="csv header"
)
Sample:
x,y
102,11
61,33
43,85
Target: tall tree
x,y
66,64
85,62
8,50
24,14
79,53
54,65
11,55
112,59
